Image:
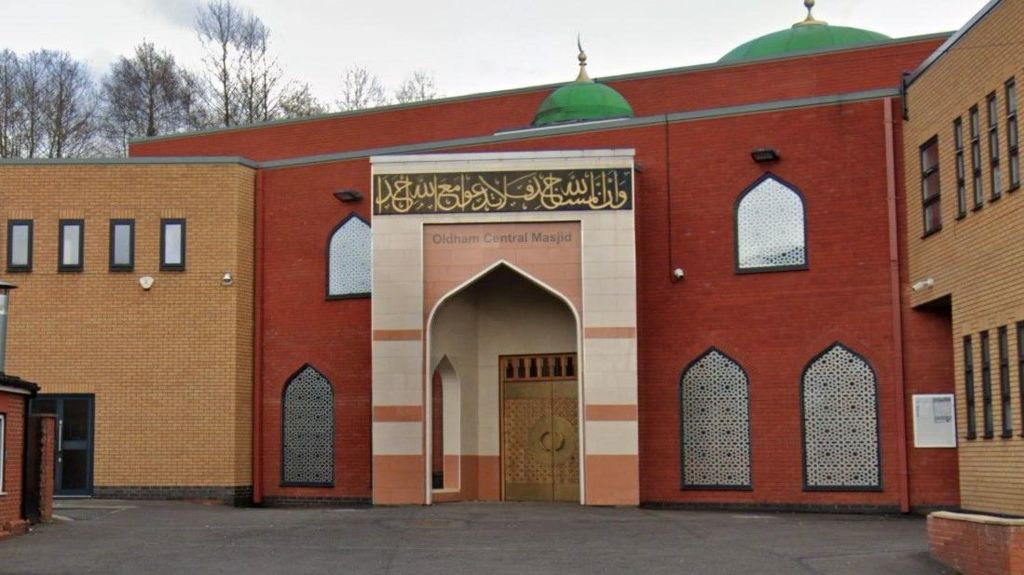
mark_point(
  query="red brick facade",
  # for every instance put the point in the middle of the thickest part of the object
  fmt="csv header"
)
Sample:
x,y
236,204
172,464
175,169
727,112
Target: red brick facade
x,y
977,544
690,174
12,407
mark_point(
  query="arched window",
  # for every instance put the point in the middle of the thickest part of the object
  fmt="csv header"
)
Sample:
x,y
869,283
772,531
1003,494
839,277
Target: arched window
x,y
840,422
308,430
770,230
714,409
348,259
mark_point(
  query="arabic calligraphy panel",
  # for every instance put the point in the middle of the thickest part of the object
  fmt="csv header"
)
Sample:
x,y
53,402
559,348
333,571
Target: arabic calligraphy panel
x,y
482,192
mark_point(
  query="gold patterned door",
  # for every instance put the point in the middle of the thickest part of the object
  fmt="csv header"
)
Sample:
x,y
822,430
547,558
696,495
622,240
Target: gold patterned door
x,y
540,423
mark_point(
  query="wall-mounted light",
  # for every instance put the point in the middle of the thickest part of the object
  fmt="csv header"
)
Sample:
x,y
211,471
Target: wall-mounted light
x,y
348,195
762,155
923,284
146,282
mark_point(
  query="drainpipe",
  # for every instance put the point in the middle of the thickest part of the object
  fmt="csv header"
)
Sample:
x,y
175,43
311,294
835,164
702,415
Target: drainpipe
x,y
897,309
257,390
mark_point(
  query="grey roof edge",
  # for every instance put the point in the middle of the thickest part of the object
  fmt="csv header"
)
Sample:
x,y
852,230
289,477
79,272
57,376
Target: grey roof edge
x,y
145,160
529,134
950,42
539,87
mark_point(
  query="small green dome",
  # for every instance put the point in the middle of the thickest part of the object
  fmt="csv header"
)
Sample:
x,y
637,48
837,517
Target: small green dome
x,y
582,100
809,34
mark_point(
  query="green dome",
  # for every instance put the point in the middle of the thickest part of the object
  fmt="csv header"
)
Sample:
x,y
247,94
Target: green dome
x,y
582,100
810,34
800,39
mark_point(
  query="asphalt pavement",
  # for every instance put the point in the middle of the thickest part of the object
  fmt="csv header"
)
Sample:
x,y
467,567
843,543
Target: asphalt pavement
x,y
105,536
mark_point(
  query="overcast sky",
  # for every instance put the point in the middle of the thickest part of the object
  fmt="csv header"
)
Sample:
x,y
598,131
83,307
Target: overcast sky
x,y
468,45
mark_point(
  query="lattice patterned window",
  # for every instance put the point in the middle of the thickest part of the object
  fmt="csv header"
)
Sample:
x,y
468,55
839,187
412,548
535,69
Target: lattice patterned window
x,y
308,437
716,424
840,421
770,232
348,259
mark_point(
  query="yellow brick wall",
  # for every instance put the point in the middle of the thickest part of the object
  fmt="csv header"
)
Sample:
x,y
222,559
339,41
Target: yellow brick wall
x,y
171,368
979,260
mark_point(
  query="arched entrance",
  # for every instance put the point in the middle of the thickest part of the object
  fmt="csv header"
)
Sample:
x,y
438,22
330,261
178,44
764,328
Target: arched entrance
x,y
511,427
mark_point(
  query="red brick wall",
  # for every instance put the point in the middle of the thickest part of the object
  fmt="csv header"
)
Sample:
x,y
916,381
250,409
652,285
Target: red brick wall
x,y
835,73
977,548
12,406
772,323
301,326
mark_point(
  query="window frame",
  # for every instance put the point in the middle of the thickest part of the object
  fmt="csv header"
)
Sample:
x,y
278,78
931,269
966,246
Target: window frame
x,y
164,223
62,225
961,169
683,486
27,267
995,174
3,451
1020,367
1004,382
879,465
736,228
1012,135
935,199
130,266
333,423
977,187
987,415
327,261
970,394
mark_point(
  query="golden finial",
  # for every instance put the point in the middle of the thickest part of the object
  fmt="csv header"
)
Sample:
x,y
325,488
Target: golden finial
x,y
809,20
583,77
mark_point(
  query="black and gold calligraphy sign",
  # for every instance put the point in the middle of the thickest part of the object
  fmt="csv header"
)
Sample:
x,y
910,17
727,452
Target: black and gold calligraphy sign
x,y
474,192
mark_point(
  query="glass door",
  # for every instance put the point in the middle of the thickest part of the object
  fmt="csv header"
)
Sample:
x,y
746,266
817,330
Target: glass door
x,y
74,440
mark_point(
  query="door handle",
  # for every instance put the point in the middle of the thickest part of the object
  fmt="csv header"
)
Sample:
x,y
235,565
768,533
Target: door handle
x,y
60,439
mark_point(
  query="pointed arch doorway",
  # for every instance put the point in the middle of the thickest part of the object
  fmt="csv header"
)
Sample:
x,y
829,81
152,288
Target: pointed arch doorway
x,y
512,428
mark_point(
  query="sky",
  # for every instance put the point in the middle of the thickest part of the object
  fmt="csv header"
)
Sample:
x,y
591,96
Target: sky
x,y
468,46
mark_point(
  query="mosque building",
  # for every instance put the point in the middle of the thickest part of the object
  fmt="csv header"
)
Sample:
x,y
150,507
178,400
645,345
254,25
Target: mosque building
x,y
684,287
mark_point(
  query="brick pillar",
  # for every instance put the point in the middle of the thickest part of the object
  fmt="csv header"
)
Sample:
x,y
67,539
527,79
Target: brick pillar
x,y
47,469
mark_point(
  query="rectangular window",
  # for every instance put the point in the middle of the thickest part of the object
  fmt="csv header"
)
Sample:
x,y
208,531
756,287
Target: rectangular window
x,y
986,387
996,176
972,417
930,196
961,183
1004,382
3,454
172,245
19,245
122,245
71,245
1020,365
979,198
1012,135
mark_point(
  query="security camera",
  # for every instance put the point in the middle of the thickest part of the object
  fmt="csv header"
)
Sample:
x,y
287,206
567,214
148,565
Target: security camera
x,y
227,279
678,273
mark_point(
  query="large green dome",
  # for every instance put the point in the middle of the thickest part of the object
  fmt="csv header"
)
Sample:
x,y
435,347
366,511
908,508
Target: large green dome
x,y
582,100
810,34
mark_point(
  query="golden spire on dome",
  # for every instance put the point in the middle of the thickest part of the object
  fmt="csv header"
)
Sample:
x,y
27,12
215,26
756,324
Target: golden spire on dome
x,y
809,20
583,77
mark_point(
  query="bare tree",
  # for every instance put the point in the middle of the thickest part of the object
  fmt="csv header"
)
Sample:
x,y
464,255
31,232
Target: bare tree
x,y
360,89
142,96
299,102
10,112
69,106
194,101
258,75
31,96
218,24
417,87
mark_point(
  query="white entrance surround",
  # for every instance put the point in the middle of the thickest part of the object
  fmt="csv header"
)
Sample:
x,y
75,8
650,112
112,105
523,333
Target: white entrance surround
x,y
591,270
